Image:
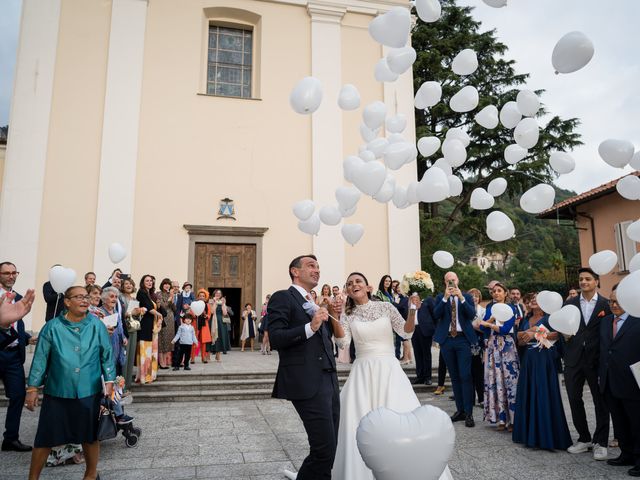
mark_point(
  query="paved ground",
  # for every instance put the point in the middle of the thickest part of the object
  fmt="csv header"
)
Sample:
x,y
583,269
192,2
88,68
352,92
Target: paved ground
x,y
256,439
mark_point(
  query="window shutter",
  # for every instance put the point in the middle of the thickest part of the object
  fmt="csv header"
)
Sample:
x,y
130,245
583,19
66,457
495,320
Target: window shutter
x,y
625,247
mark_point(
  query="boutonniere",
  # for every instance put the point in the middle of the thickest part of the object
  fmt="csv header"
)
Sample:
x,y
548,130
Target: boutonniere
x,y
601,314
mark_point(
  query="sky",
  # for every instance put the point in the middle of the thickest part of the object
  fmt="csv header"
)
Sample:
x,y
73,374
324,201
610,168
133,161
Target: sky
x,y
604,95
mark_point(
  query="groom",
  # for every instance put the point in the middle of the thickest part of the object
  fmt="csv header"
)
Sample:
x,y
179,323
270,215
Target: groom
x,y
307,370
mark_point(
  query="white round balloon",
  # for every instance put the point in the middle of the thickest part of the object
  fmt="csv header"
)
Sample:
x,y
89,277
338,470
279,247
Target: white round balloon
x,y
433,187
528,103
367,134
351,166
497,187
635,161
443,259
538,198
330,215
442,164
629,187
458,134
61,278
428,95
454,152
514,153
197,307
549,302
383,73
603,262
633,231
427,146
397,154
628,293
349,97
392,28
562,162
378,146
400,197
465,100
488,117
566,320
617,153
481,199
526,133
429,11
399,60
304,209
634,263
496,3
499,226
465,62
370,177
572,52
397,123
306,96
117,252
310,226
455,185
501,312
374,114
510,116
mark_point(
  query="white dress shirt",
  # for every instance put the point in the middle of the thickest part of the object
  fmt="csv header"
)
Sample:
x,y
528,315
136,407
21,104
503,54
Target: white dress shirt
x,y
588,307
458,302
306,296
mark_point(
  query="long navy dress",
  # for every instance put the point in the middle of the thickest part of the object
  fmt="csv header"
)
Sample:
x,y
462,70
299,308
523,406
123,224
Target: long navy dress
x,y
540,421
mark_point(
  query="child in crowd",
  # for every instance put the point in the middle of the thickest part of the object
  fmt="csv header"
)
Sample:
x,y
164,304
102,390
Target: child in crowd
x,y
186,337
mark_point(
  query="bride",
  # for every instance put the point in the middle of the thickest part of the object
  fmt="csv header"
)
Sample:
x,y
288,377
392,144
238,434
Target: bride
x,y
376,378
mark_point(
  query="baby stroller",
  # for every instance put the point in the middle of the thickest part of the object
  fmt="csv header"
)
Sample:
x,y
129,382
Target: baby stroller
x,y
124,423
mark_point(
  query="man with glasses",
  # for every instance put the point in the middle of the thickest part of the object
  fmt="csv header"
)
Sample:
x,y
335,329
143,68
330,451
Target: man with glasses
x,y
619,340
581,359
12,354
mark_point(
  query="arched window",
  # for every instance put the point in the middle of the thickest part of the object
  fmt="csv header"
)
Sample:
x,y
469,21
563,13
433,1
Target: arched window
x,y
232,53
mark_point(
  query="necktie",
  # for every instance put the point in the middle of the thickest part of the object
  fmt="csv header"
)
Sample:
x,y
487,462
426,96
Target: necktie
x,y
615,326
454,318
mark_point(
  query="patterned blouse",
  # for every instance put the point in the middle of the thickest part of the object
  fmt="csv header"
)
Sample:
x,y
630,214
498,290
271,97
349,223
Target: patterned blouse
x,y
370,312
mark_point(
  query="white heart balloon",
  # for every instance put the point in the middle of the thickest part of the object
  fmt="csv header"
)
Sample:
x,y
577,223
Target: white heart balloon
x,y
367,155
603,262
635,161
488,117
514,153
429,11
427,146
412,192
617,153
330,215
528,103
455,186
527,132
628,293
633,231
387,190
497,187
352,232
350,167
566,320
370,178
397,123
367,134
629,187
310,226
572,52
306,96
458,133
392,28
481,199
634,263
549,302
413,445
347,197
349,97
443,259
117,252
433,187
374,114
399,60
538,198
349,212
499,227
400,197
378,146
197,307
562,162
397,154
383,73
61,278
445,166
495,3
396,138
501,312
465,100
428,95
303,209
454,152
465,62
510,116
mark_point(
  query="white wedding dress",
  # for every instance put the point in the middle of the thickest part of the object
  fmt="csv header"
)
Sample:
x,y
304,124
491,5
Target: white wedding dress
x,y
376,380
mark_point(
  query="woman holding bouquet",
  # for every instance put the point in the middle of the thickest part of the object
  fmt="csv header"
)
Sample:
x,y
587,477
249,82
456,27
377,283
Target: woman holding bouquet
x,y
501,366
539,421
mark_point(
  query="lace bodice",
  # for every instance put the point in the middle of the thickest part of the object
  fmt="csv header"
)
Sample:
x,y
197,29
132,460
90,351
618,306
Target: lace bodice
x,y
368,313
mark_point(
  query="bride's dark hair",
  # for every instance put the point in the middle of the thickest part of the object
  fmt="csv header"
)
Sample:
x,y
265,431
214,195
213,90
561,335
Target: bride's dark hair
x,y
350,304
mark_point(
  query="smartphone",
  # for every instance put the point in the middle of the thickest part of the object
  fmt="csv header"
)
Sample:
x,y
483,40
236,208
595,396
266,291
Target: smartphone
x,y
125,276
451,283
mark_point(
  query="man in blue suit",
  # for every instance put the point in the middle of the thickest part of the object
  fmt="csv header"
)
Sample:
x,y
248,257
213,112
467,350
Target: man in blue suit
x,y
13,341
454,312
423,338
619,340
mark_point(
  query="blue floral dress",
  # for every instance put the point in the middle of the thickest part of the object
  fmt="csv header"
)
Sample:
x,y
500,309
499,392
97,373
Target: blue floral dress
x,y
501,369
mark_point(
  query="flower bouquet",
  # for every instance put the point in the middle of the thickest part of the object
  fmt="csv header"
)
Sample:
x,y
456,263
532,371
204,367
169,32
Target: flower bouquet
x,y
417,282
541,335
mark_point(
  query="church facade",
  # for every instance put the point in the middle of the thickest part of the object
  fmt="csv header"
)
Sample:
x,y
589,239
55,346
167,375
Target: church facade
x,y
165,126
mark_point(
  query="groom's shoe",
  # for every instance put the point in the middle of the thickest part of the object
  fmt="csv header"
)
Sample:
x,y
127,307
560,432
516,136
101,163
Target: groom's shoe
x,y
417,381
468,421
458,417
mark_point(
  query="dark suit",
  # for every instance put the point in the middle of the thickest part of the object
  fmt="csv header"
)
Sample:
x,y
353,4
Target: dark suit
x,y
307,377
422,339
55,303
581,358
457,350
12,374
617,383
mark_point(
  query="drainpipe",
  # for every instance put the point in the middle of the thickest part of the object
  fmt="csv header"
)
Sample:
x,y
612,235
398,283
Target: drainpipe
x,y
593,229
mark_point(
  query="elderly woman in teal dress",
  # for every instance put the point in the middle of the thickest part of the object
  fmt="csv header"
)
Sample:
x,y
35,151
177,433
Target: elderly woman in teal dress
x,y
73,353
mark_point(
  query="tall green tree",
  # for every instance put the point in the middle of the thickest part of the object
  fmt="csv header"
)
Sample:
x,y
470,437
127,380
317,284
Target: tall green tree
x,y
452,224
